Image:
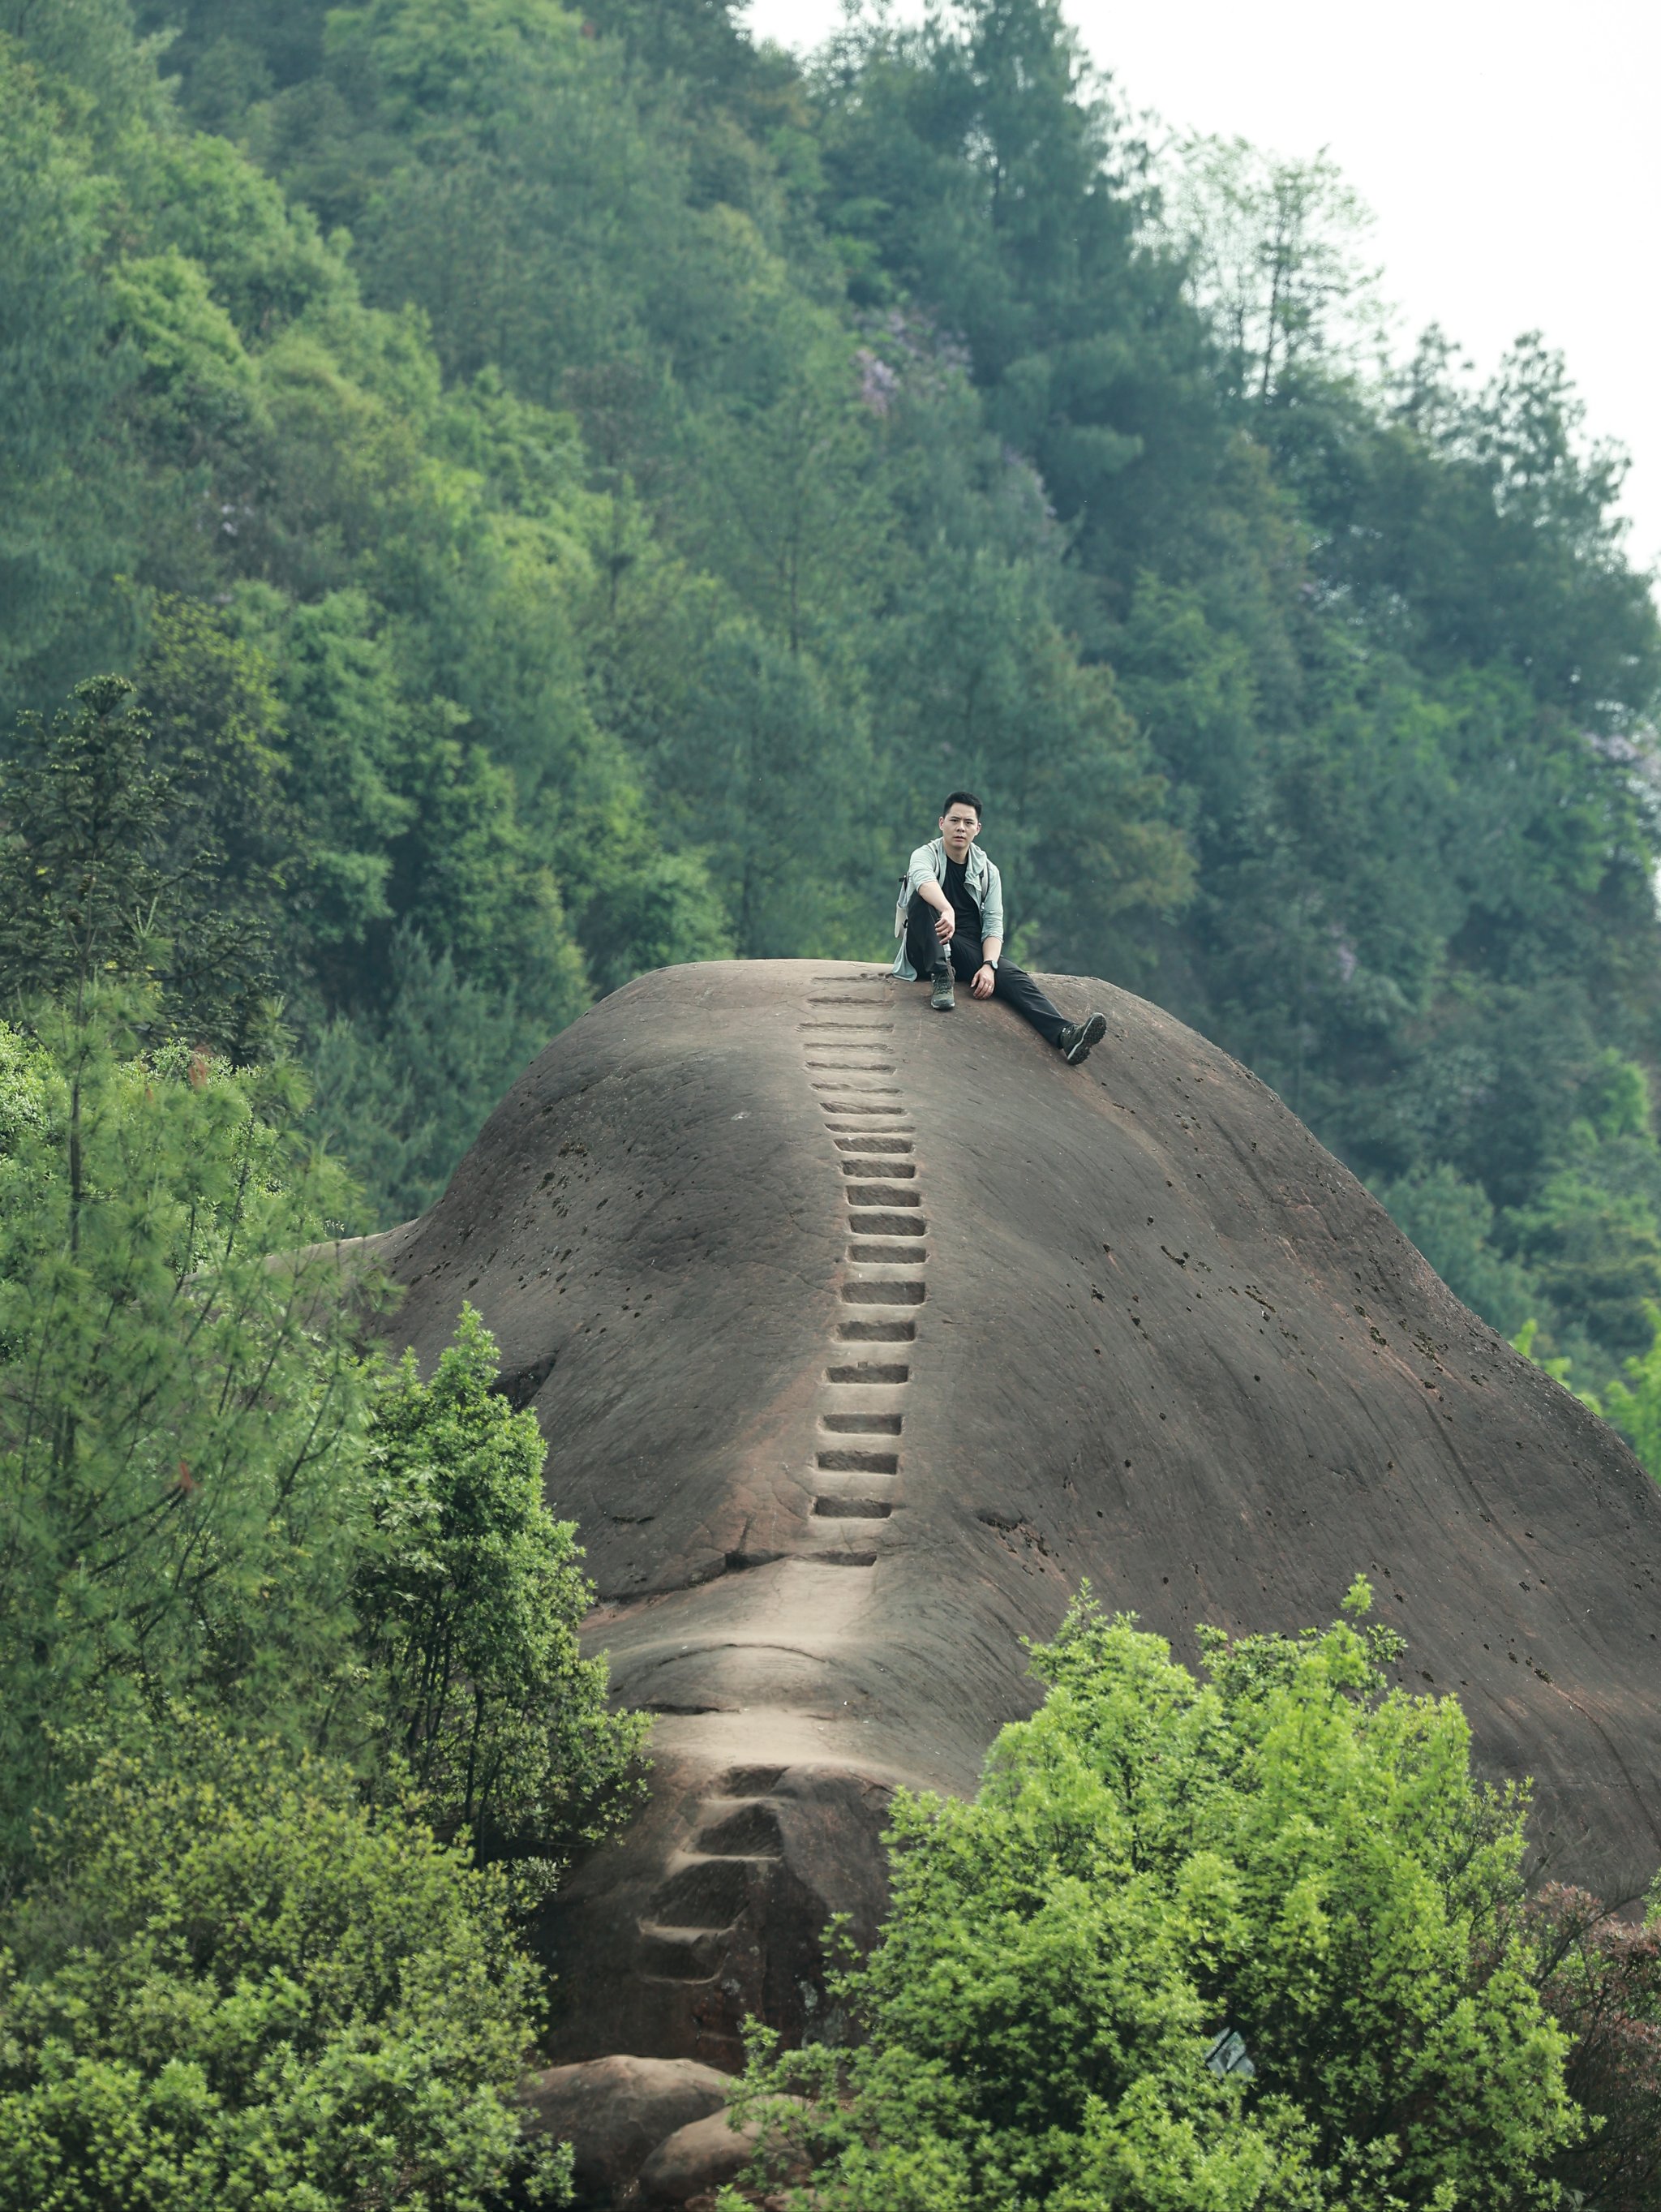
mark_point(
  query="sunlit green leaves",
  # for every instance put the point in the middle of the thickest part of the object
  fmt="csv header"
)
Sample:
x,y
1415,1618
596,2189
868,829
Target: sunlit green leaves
x,y
233,1985
1289,1852
468,1596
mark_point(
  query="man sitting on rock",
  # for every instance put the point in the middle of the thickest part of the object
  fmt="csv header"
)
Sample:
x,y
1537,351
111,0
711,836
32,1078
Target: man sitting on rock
x,y
950,916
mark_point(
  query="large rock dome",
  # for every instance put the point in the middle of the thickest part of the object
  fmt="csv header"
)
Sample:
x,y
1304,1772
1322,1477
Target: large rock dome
x,y
861,1334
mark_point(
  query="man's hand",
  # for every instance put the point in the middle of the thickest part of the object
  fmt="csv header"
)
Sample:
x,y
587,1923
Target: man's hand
x,y
945,925
984,978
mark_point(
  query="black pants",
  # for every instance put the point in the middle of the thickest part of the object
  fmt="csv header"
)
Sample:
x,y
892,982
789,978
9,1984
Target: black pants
x,y
1010,983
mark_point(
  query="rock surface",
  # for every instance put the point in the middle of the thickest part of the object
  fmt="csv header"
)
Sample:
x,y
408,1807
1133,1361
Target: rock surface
x,y
615,2111
696,2162
861,1333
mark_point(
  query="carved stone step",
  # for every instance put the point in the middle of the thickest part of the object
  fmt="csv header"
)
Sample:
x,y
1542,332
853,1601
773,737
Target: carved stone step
x,y
681,1954
750,1781
704,1893
752,1831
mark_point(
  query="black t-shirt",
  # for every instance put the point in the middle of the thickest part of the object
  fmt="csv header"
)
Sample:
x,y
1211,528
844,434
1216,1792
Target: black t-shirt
x,y
956,888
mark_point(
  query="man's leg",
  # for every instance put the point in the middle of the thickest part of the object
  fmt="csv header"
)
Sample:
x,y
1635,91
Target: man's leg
x,y
1015,985
932,960
964,953
922,948
1073,1040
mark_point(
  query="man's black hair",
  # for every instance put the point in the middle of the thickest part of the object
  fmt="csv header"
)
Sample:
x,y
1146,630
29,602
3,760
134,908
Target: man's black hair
x,y
964,798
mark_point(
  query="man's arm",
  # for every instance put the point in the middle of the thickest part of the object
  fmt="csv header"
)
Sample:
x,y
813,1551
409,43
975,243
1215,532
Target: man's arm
x,y
926,883
989,949
991,910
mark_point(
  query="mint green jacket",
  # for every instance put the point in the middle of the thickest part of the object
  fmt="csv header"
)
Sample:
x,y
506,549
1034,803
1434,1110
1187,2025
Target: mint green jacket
x,y
985,888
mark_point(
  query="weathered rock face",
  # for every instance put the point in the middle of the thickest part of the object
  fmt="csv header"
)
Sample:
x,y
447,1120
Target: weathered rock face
x,y
861,1333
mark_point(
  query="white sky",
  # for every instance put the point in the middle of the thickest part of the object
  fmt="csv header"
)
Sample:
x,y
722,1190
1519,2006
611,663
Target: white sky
x,y
1512,155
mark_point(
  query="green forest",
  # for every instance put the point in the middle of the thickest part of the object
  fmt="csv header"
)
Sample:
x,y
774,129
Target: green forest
x,y
498,499
572,492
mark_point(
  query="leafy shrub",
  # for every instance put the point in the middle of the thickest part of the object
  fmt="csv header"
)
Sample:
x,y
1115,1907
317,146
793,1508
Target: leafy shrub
x,y
1289,1854
233,1986
468,1599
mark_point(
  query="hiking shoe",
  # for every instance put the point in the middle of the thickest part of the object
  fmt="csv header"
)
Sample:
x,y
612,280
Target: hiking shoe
x,y
1078,1037
943,997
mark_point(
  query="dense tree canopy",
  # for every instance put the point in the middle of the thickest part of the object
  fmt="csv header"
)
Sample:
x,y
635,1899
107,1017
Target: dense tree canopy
x,y
236,1985
572,490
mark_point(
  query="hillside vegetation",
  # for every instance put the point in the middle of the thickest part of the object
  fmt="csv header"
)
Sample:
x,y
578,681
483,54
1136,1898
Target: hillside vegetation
x,y
573,491
495,500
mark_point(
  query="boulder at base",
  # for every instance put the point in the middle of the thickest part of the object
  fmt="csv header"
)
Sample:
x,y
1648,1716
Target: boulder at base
x,y
614,2112
861,1334
697,2161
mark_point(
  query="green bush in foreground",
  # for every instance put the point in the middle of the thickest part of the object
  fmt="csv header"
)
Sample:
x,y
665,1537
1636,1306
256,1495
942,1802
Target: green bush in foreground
x,y
1288,1852
234,1987
469,1595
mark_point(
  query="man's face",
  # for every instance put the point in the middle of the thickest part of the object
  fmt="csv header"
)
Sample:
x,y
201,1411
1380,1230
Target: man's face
x,y
959,827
